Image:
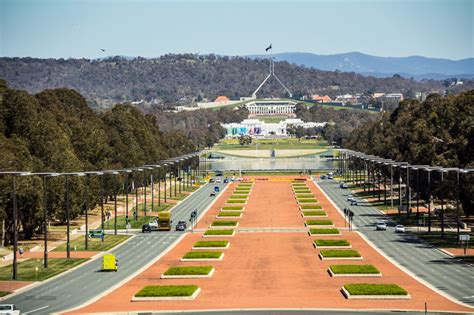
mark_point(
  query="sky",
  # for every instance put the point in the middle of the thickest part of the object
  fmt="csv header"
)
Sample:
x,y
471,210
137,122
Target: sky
x,y
81,28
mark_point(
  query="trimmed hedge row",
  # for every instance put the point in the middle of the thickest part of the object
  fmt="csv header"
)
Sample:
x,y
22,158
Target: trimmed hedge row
x,y
202,255
374,289
167,290
332,243
191,270
219,232
315,213
354,269
310,207
324,231
318,222
233,208
337,253
216,244
224,223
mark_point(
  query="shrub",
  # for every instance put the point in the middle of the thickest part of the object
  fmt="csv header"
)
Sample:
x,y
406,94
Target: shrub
x,y
309,213
307,200
374,289
302,191
219,232
319,222
339,253
354,269
202,255
191,270
224,223
235,201
310,207
324,231
229,214
238,197
332,243
302,196
167,290
211,244
233,208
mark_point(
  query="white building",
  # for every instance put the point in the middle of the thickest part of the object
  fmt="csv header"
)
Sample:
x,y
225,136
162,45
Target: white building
x,y
258,128
271,107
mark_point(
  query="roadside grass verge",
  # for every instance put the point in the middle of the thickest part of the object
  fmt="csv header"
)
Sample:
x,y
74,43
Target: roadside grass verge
x,y
4,293
324,231
339,253
314,213
27,269
219,232
156,208
191,270
202,255
449,241
374,289
135,224
354,269
319,222
167,290
94,244
332,243
216,244
310,207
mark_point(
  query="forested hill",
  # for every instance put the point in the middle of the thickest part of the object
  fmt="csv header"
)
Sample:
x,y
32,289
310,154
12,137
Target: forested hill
x,y
173,79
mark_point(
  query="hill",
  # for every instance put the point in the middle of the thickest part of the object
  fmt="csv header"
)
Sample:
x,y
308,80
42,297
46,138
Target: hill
x,y
183,79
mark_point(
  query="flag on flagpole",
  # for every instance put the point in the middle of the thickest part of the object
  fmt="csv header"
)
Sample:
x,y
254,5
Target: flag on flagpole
x,y
268,48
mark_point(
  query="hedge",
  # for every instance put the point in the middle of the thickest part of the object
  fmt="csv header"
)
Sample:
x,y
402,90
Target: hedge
x,y
202,255
167,290
304,196
309,200
336,253
235,201
318,222
374,289
194,270
216,244
229,214
324,231
238,197
219,232
332,243
354,269
310,207
233,208
224,223
309,213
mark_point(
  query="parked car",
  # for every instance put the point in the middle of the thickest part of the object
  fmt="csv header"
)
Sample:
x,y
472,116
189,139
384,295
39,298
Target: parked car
x,y
181,226
399,229
381,226
9,309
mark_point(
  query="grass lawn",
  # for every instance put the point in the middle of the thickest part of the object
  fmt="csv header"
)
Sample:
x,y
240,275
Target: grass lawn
x,y
202,255
4,293
332,243
27,269
141,207
354,269
307,200
191,270
303,196
311,207
215,244
167,290
236,201
229,214
238,197
95,244
315,213
450,239
324,231
268,144
136,224
224,223
237,208
318,222
219,232
243,189
374,289
334,253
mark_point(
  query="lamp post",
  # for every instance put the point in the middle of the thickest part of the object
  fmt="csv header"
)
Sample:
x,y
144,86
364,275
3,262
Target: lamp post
x,y
86,206
127,172
135,214
45,218
68,210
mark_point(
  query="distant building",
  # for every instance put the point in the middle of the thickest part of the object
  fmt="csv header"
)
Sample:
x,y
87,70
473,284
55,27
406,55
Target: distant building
x,y
271,107
395,96
347,98
321,99
221,99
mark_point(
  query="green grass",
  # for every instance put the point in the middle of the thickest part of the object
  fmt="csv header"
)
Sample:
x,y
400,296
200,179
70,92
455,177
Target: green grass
x,y
374,289
245,184
95,244
332,242
310,207
191,270
354,269
219,232
236,201
229,214
202,255
318,222
136,224
167,290
4,293
233,208
224,223
303,196
241,193
315,213
449,241
268,144
141,207
247,190
336,253
216,244
307,200
237,197
27,269
324,231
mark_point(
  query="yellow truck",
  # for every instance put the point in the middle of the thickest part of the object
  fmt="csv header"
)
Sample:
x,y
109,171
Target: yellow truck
x,y
161,223
109,263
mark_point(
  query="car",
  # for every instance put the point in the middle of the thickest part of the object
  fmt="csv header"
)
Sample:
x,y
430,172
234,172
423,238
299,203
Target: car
x,y
218,180
323,176
146,228
381,226
211,180
350,198
9,309
212,194
399,229
181,226
226,180
353,202
343,185
330,176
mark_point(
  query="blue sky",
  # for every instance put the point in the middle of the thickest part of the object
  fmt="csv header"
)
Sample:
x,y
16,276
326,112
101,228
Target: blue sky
x,y
73,28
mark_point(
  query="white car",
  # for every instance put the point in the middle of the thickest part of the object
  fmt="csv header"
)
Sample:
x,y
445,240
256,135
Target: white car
x,y
350,198
400,229
218,180
9,309
381,226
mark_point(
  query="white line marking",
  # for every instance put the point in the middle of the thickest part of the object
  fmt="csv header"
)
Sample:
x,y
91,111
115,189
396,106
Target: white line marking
x,y
38,309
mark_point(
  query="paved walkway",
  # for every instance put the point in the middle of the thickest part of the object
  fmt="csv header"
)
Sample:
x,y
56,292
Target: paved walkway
x,y
276,268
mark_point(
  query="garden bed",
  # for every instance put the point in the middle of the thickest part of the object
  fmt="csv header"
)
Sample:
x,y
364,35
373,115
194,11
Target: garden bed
x,y
211,245
331,244
167,292
301,196
322,232
319,223
219,233
374,291
237,197
229,214
353,271
188,272
221,224
309,200
232,208
309,214
236,201
310,207
203,256
339,254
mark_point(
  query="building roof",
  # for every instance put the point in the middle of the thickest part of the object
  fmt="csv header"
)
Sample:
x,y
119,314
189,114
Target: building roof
x,y
222,99
323,99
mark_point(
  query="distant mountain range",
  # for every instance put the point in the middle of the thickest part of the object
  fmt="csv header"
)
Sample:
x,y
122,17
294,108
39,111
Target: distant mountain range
x,y
417,67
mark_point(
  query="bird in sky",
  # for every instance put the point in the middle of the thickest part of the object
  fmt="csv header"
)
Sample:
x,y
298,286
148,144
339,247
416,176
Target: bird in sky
x,y
102,49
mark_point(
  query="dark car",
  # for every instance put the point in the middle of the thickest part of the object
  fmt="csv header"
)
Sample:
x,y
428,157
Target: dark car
x,y
181,226
226,180
353,202
211,180
146,228
323,176
213,194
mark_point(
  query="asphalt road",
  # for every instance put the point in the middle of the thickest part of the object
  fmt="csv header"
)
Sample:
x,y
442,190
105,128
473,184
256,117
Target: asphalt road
x,y
86,282
452,276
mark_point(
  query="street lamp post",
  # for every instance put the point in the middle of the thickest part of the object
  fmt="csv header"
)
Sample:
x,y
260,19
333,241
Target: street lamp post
x,y
68,210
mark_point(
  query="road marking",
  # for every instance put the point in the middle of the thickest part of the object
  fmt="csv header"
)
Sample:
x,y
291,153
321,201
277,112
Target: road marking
x,y
38,309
